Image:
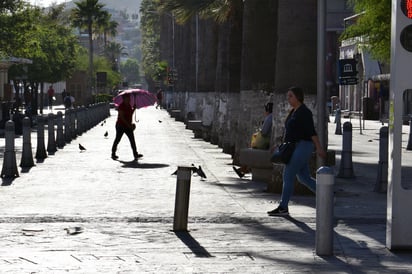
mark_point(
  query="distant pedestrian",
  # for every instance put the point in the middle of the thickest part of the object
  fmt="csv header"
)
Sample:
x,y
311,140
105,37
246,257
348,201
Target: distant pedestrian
x,y
261,138
299,129
50,96
159,97
68,101
124,125
64,93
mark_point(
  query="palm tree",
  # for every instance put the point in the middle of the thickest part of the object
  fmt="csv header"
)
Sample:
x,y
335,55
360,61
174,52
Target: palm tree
x,y
86,16
219,50
106,26
113,51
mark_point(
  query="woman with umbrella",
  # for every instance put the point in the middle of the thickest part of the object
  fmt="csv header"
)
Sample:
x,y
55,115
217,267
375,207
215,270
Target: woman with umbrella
x,y
124,125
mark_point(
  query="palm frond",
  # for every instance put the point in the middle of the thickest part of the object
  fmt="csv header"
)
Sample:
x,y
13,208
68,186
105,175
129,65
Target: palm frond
x,y
183,10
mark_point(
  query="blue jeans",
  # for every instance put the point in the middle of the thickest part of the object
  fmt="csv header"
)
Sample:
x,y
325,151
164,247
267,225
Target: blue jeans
x,y
297,167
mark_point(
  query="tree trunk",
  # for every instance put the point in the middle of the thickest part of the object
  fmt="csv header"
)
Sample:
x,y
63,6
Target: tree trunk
x,y
296,50
259,45
91,69
229,52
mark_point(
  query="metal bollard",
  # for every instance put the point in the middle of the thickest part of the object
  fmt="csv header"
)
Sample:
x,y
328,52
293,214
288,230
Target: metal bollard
x,y
409,146
182,198
324,211
67,136
51,140
41,149
60,135
9,169
346,165
382,179
73,115
27,153
338,130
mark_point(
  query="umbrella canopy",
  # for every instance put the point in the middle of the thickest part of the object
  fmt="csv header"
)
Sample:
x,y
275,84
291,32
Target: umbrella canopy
x,y
139,98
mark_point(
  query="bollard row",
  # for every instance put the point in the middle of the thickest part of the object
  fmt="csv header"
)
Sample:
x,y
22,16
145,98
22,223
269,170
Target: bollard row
x,y
60,131
79,120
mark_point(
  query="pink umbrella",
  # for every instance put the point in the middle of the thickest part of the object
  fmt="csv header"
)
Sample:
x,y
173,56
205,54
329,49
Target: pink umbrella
x,y
139,98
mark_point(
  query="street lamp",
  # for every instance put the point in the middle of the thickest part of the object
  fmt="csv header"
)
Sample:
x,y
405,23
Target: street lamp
x,y
321,91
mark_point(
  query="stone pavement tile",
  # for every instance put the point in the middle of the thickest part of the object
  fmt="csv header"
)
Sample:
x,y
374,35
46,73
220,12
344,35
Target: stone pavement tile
x,y
270,245
126,211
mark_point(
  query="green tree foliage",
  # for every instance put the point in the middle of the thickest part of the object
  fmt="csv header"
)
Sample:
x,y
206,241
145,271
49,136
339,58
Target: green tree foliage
x,y
10,6
183,10
101,64
130,71
150,27
42,38
113,51
373,25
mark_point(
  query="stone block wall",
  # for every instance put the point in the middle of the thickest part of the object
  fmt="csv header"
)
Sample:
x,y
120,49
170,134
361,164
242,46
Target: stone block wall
x,y
231,119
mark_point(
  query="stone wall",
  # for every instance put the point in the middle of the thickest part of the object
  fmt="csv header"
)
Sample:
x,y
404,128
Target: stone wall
x,y
231,118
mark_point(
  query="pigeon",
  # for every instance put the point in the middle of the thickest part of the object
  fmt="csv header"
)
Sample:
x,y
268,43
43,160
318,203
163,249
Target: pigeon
x,y
199,171
106,134
82,148
74,230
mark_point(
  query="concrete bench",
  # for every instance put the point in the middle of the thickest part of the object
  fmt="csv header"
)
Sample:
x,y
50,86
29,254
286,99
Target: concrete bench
x,y
196,127
258,160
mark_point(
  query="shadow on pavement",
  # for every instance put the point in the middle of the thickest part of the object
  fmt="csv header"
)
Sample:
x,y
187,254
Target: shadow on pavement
x,y
134,164
7,181
193,245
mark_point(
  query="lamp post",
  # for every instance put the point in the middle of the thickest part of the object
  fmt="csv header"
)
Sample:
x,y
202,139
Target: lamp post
x,y
321,91
197,53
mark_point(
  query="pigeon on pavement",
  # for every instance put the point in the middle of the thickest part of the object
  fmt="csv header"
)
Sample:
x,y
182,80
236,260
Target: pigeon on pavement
x,y
82,148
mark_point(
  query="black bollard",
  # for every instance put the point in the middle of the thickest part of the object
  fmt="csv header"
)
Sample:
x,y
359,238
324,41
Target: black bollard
x,y
409,146
67,124
41,149
182,198
338,130
9,169
73,114
60,135
382,179
51,140
346,165
27,154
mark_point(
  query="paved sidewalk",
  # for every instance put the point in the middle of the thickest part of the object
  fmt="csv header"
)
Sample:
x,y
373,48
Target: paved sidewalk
x,y
125,212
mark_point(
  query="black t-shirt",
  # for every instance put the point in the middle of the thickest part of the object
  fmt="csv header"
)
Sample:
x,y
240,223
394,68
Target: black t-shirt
x,y
299,125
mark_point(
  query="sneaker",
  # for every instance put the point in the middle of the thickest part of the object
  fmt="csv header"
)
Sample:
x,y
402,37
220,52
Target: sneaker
x,y
279,211
137,156
238,172
115,157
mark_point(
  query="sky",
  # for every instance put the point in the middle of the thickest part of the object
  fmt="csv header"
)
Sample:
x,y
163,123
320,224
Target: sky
x,y
45,3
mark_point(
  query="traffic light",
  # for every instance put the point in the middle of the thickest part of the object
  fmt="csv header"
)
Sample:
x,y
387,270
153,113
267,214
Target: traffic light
x,y
401,47
399,202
